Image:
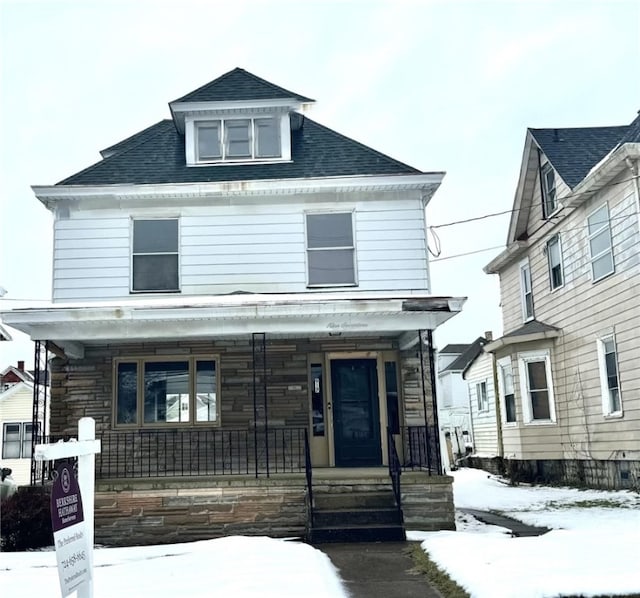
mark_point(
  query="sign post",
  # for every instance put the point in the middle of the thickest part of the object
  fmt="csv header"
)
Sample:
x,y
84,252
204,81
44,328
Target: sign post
x,y
73,526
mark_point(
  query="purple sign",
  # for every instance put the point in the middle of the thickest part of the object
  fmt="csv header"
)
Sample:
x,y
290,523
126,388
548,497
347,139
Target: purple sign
x,y
66,503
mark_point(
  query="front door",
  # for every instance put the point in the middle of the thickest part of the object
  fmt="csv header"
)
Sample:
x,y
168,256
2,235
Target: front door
x,y
356,414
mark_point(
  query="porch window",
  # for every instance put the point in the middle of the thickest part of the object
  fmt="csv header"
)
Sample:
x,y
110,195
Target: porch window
x,y
391,383
155,256
535,380
180,391
16,440
609,380
317,400
330,249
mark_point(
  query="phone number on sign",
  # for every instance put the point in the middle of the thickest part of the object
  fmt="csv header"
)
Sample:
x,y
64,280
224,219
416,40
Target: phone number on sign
x,y
74,558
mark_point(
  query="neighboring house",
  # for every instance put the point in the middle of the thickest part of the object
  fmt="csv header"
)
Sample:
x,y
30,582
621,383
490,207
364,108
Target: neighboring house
x,y
570,282
16,413
4,334
228,284
478,376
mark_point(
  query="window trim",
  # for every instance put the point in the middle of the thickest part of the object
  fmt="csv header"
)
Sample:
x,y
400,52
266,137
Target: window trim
x,y
307,249
133,291
502,363
524,269
545,169
606,226
527,408
605,391
557,239
223,159
482,399
140,361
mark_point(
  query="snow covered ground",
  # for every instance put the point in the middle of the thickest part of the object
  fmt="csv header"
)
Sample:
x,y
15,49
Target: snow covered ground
x,y
593,548
234,566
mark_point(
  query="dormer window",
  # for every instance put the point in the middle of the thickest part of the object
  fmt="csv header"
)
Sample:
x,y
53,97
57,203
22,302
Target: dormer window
x,y
238,139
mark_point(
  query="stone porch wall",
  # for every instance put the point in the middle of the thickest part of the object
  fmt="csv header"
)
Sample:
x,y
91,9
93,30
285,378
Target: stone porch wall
x,y
427,502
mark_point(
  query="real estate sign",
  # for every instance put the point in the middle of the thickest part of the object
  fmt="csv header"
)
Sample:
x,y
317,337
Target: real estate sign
x,y
69,531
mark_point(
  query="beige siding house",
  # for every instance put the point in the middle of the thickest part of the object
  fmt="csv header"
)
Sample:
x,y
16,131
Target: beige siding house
x,y
569,362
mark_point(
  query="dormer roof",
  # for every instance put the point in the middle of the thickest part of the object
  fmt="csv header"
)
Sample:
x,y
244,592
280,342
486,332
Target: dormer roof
x,y
237,85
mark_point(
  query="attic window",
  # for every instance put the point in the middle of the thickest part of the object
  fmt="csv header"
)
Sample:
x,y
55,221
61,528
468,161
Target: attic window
x,y
549,199
238,139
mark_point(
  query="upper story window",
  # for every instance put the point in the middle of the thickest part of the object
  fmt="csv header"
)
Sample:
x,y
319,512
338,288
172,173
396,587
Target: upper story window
x,y
154,258
537,387
238,139
330,249
609,380
554,258
526,291
481,396
549,199
600,246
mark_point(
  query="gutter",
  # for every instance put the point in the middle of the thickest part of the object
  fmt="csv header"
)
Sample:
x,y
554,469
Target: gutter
x,y
509,255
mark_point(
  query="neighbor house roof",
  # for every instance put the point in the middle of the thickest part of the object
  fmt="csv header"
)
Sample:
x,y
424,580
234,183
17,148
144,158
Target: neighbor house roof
x,y
4,334
533,330
574,152
455,349
462,362
157,155
239,84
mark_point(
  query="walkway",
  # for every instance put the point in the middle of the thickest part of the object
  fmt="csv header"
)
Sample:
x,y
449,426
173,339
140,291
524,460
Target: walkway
x,y
379,570
518,529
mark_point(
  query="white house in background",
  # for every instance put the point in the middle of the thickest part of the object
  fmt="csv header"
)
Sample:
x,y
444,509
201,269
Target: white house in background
x,y
229,283
453,406
569,361
479,378
16,412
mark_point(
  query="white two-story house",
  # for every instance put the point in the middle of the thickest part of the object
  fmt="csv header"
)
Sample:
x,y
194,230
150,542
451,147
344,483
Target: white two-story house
x,y
568,363
241,300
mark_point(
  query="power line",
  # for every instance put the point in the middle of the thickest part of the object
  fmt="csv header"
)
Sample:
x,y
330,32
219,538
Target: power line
x,y
450,257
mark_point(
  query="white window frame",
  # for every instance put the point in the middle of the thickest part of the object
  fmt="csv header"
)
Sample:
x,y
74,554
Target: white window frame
x,y
192,420
192,131
605,228
527,408
482,396
503,364
555,239
525,276
132,254
550,204
22,438
351,247
607,407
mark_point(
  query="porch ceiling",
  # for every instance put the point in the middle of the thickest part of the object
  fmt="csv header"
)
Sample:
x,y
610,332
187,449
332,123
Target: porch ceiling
x,y
311,314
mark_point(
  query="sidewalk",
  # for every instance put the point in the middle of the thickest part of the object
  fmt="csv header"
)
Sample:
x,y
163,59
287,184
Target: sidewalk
x,y
518,529
379,570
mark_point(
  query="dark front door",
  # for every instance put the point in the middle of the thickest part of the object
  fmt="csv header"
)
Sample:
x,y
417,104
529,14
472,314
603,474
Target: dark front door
x,y
356,415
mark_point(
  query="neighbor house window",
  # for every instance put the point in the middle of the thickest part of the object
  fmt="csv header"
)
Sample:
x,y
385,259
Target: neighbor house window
x,y
526,291
549,199
16,440
554,258
171,391
537,387
155,255
330,249
609,380
505,381
481,396
238,139
600,247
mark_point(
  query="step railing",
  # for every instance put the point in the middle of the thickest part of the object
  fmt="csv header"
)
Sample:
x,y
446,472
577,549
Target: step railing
x,y
395,470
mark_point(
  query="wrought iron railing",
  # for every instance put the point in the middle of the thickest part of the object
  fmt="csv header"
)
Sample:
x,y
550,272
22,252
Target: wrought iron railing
x,y
169,453
420,449
42,471
309,478
395,470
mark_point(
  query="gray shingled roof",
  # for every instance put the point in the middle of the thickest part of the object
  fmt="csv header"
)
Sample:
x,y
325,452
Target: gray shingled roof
x,y
453,348
239,84
473,350
157,155
531,327
574,152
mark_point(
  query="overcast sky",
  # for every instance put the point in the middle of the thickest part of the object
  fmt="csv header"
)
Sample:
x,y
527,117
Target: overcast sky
x,y
439,85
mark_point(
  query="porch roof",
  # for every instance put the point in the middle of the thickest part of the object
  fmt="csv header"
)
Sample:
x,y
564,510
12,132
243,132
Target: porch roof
x,y
71,326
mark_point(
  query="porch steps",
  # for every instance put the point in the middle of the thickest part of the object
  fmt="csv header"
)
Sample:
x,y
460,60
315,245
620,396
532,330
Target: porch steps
x,y
356,514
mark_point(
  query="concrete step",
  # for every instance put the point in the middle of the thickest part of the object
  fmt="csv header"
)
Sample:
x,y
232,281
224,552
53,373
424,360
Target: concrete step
x,y
353,500
352,517
370,533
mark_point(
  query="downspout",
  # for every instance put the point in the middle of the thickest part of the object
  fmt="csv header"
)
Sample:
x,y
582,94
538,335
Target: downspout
x,y
635,170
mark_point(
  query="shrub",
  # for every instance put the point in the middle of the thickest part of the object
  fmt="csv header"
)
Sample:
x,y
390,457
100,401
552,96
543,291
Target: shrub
x,y
26,519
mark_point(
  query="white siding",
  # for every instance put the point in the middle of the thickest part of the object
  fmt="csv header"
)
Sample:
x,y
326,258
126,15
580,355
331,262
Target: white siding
x,y
232,246
484,423
16,407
